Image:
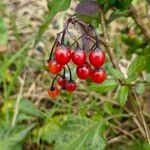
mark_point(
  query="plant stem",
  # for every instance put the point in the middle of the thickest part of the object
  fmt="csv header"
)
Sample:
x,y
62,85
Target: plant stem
x,y
115,65
107,42
69,72
143,119
140,22
16,109
52,84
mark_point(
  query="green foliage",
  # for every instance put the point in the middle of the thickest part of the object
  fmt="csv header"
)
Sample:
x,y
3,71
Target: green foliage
x,y
140,145
21,52
134,42
137,145
13,136
3,32
119,4
122,95
116,14
107,4
51,129
140,88
75,121
28,108
106,86
81,133
86,14
58,5
116,73
75,133
122,4
101,2
108,108
130,79
137,66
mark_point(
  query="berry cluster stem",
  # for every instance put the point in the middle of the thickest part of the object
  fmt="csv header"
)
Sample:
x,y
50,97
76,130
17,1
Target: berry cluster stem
x,y
70,72
52,84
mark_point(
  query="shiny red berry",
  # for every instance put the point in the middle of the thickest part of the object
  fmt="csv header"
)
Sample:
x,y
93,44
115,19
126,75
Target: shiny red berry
x,y
62,55
62,81
54,67
79,57
83,71
70,86
97,57
53,92
98,75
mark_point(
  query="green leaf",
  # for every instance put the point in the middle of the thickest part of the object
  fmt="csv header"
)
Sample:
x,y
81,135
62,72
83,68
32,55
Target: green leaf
x,y
51,129
73,133
108,108
137,66
117,46
79,133
57,4
140,88
104,87
116,73
23,117
17,147
20,52
54,7
122,95
130,79
147,68
28,107
101,2
116,14
109,4
3,32
122,4
10,140
146,50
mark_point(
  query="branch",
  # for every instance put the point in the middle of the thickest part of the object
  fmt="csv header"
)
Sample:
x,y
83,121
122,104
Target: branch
x,y
139,22
107,42
114,63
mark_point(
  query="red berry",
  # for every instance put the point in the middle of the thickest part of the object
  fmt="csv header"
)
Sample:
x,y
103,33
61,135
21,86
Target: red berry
x,y
79,57
83,72
53,92
70,86
98,75
54,67
62,55
61,81
97,58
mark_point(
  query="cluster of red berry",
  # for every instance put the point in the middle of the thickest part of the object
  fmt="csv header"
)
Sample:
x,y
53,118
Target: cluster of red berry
x,y
86,68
